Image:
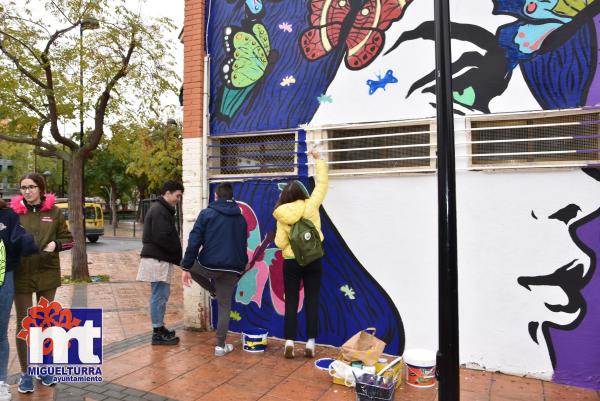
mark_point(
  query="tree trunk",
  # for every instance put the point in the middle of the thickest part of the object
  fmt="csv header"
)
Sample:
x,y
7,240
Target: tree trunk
x,y
79,264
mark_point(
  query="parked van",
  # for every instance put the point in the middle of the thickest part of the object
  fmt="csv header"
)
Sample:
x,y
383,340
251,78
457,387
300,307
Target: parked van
x,y
94,218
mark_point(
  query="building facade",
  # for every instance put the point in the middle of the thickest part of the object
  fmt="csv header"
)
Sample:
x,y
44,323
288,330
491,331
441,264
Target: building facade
x,y
266,80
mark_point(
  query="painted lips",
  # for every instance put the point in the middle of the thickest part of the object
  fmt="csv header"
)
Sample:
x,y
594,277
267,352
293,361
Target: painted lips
x,y
570,278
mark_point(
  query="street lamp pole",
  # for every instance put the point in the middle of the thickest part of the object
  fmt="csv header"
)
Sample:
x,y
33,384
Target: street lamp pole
x,y
448,351
86,23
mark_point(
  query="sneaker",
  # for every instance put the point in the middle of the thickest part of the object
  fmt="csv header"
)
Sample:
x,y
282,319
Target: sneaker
x,y
309,351
288,350
47,380
161,338
5,392
25,384
220,351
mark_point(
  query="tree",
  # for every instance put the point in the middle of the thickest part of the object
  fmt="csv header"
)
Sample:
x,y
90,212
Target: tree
x,y
157,154
106,172
124,62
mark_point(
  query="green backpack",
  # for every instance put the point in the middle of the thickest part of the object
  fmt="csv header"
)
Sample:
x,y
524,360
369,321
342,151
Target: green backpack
x,y
305,242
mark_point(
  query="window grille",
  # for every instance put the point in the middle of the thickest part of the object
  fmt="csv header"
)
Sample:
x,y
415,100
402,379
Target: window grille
x,y
400,147
270,154
566,138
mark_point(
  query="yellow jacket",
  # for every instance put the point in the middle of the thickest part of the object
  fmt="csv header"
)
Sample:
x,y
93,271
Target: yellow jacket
x,y
289,213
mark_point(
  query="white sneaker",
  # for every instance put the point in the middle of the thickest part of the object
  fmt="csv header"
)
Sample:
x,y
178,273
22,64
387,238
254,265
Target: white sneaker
x,y
220,351
288,349
309,351
5,392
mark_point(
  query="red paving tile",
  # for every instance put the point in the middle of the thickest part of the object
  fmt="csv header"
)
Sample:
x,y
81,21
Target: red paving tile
x,y
190,371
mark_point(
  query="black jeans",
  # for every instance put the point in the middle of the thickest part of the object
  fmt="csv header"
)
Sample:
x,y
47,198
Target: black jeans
x,y
311,275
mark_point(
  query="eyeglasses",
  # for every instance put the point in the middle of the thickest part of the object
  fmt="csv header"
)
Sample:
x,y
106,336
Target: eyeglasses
x,y
26,188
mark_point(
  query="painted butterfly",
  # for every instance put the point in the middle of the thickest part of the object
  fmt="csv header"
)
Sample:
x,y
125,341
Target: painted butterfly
x,y
360,25
248,52
248,55
268,266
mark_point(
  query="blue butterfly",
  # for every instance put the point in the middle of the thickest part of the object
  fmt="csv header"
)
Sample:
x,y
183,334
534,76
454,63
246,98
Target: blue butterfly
x,y
389,78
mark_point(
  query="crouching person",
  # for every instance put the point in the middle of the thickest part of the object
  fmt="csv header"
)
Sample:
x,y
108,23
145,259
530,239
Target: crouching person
x,y
216,255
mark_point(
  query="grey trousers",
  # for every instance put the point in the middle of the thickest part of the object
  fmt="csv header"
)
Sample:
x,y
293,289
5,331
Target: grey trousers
x,y
224,284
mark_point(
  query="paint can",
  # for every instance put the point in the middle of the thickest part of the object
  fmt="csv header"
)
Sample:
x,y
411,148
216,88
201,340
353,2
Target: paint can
x,y
254,340
420,368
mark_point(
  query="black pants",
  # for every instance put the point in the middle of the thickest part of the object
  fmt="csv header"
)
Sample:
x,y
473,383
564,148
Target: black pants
x,y
223,287
311,275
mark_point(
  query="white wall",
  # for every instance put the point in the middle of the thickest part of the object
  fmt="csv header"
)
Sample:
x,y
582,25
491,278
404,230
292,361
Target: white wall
x,y
411,61
498,241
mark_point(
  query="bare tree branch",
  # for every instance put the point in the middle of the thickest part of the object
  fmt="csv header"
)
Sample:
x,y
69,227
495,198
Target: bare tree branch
x,y
30,106
25,45
28,20
45,153
20,67
105,97
57,35
60,11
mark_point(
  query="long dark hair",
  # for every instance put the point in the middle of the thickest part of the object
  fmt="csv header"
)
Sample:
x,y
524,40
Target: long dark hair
x,y
38,179
292,192
3,204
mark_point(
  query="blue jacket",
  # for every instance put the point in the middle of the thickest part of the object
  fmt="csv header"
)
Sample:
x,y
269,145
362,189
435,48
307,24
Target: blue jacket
x,y
14,242
221,237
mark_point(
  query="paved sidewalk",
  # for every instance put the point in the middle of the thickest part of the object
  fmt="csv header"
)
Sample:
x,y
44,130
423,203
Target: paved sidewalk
x,y
134,370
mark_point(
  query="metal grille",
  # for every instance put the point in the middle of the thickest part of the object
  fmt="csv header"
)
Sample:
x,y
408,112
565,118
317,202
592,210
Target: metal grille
x,y
390,147
252,155
565,138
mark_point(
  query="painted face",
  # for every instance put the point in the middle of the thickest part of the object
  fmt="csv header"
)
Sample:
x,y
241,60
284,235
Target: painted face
x,y
523,265
30,191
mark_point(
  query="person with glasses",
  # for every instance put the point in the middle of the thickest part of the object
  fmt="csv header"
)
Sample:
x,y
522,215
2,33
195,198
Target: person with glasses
x,y
40,272
14,243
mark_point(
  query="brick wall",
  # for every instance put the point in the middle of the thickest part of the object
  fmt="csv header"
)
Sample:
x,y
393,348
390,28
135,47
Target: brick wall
x,y
195,300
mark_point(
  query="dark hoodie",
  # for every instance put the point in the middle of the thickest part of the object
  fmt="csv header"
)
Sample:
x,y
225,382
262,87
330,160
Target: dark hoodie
x,y
14,242
220,231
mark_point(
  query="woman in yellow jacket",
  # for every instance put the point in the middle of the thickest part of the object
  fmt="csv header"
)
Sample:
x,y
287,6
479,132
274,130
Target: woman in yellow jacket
x,y
294,204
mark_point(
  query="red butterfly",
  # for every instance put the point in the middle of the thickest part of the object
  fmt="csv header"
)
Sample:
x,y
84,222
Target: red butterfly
x,y
361,24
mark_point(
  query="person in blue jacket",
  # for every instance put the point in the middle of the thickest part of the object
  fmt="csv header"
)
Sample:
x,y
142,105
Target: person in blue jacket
x,y
14,243
217,251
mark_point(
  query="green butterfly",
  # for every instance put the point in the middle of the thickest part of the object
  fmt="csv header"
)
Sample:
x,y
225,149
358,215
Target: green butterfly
x,y
2,261
248,51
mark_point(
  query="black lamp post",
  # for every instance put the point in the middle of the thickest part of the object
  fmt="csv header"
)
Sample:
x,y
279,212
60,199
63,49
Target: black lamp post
x,y
448,352
84,24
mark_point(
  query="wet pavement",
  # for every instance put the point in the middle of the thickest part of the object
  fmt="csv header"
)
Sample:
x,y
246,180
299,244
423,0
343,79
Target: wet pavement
x,y
135,370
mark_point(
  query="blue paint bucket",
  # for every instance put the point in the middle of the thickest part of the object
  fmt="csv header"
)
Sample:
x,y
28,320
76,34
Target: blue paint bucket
x,y
254,340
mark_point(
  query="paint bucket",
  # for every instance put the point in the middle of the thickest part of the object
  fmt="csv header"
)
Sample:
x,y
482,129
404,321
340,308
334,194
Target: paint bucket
x,y
420,368
254,340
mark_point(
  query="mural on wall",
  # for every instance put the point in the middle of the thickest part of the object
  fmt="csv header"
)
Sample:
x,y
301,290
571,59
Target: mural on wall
x,y
554,42
272,66
572,341
356,26
350,298
272,61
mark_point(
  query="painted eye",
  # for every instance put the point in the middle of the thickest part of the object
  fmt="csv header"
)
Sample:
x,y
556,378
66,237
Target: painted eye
x,y
364,11
531,7
342,3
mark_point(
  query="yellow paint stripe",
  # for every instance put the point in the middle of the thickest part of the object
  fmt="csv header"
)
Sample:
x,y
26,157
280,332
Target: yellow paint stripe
x,y
356,48
322,22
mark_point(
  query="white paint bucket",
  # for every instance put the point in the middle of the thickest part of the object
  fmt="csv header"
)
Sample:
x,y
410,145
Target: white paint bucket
x,y
254,340
420,368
